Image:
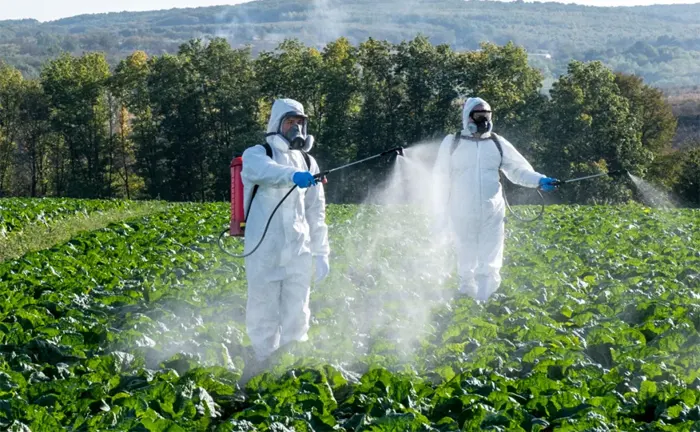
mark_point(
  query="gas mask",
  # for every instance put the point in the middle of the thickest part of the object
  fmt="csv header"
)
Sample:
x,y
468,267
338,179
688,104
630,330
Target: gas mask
x,y
296,135
481,122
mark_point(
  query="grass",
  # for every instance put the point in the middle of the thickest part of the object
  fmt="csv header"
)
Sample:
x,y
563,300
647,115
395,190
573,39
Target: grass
x,y
38,236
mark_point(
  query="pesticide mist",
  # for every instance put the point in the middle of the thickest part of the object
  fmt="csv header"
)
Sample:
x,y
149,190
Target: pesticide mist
x,y
651,195
391,272
389,277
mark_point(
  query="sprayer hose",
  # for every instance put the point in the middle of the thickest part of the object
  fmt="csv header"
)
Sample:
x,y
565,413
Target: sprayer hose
x,y
539,215
279,204
269,220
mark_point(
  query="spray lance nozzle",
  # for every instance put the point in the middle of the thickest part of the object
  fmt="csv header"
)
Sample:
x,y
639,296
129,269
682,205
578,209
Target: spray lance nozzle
x,y
399,151
618,173
609,173
396,150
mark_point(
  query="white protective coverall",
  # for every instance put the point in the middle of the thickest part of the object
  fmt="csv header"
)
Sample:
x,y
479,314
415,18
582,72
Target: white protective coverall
x,y
279,272
468,186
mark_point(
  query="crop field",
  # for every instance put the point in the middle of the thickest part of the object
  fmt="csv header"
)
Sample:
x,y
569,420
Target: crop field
x,y
16,214
139,326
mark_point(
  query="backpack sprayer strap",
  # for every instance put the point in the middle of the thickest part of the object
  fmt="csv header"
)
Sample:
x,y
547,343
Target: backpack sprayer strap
x,y
268,152
495,138
458,137
497,141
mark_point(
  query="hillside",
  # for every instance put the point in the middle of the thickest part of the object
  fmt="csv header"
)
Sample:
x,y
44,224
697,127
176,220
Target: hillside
x,y
660,43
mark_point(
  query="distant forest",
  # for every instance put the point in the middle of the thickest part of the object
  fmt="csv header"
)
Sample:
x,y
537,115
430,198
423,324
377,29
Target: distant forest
x,y
661,44
167,126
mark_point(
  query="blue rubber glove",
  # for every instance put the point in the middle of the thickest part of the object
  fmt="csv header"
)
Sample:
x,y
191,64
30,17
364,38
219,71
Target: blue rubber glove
x,y
303,179
546,184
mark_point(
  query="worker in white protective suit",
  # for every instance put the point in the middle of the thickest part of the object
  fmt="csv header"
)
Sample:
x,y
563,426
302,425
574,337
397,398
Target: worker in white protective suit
x,y
468,186
279,273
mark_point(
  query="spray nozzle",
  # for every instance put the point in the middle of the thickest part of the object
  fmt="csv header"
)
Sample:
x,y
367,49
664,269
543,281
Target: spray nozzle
x,y
620,172
609,173
396,150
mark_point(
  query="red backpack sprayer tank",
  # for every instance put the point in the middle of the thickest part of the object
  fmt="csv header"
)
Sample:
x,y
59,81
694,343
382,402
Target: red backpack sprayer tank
x,y
238,214
237,218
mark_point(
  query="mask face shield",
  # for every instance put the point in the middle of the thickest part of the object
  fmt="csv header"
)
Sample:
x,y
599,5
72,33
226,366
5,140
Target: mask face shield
x,y
481,115
293,129
482,120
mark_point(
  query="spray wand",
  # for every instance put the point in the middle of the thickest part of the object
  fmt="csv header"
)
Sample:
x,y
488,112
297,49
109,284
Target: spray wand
x,y
319,177
396,150
558,183
610,173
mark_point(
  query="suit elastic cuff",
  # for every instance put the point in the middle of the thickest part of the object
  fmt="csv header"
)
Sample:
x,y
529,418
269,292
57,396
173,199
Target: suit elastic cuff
x,y
538,179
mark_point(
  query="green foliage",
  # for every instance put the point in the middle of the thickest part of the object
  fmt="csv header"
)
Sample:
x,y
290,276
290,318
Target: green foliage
x,y
141,326
167,126
16,213
591,119
53,221
649,104
688,185
11,92
68,311
502,76
139,134
75,88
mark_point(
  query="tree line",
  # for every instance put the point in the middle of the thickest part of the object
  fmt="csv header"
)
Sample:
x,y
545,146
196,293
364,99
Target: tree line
x,y
167,126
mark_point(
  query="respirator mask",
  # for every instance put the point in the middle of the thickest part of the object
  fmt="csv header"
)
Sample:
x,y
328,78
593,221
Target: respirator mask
x,y
481,122
296,134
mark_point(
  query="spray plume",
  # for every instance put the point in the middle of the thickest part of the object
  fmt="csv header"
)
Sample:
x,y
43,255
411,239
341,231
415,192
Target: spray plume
x,y
390,272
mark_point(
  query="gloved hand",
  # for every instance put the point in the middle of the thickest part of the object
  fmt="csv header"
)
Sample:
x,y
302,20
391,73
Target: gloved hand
x,y
303,179
322,267
547,184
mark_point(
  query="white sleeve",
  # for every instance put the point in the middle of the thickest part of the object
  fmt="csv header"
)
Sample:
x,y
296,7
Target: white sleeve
x,y
315,209
260,169
516,167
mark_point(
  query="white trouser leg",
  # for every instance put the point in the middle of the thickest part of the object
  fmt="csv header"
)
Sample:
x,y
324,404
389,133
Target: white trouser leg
x,y
294,301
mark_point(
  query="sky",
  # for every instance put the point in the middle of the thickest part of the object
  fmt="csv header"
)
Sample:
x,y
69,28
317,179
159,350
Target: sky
x,y
46,10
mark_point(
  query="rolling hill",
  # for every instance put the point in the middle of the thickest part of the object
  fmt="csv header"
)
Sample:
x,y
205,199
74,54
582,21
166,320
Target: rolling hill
x,y
660,43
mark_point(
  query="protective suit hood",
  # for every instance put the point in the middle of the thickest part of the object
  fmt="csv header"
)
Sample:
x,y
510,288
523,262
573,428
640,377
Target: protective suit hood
x,y
468,107
280,108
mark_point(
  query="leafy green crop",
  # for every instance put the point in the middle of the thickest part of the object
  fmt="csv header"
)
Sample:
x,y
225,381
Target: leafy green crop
x,y
140,326
17,213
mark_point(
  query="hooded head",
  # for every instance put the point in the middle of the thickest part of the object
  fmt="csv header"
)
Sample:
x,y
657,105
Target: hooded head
x,y
287,126
476,118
